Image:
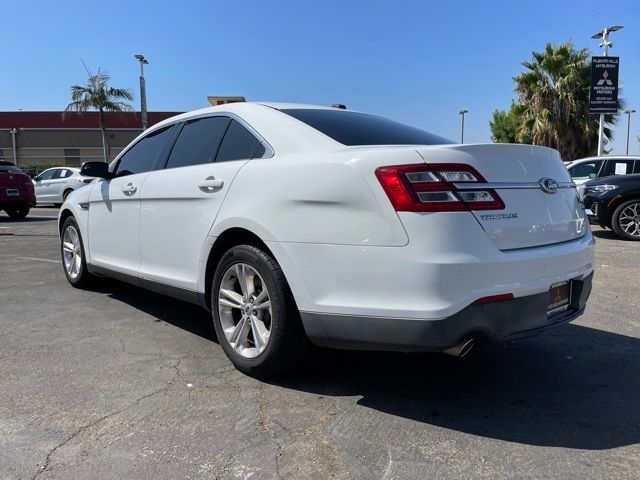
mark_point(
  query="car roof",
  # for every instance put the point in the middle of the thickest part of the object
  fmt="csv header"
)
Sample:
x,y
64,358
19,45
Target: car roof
x,y
285,106
628,178
284,133
74,169
607,157
241,108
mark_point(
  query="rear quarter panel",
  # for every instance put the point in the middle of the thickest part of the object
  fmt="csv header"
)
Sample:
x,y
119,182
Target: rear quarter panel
x,y
325,199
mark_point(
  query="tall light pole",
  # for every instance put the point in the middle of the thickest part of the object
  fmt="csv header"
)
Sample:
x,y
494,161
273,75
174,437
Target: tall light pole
x,y
143,91
629,112
13,133
606,44
462,112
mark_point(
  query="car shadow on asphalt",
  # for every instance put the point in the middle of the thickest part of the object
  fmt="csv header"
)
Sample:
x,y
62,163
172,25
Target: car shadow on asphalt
x,y
184,315
6,220
608,234
571,387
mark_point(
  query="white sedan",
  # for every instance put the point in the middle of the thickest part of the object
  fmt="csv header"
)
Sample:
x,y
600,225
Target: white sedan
x,y
55,184
296,223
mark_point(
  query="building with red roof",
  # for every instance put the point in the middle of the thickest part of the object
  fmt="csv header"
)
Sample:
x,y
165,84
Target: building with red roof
x,y
38,139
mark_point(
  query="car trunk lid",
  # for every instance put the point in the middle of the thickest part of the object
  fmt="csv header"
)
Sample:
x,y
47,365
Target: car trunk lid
x,y
535,213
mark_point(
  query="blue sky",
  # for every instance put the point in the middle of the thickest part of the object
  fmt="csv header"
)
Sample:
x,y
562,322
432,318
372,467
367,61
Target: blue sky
x,y
416,62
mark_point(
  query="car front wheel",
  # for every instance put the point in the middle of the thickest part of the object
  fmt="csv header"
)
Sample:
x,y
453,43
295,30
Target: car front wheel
x,y
254,313
73,258
626,220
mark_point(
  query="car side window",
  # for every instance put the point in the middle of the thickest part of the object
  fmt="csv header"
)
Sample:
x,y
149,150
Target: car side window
x,y
66,173
617,167
142,156
48,175
198,142
58,173
585,170
238,144
636,166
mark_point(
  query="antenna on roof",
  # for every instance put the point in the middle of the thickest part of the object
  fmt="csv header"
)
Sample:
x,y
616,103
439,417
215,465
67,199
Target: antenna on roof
x,y
339,105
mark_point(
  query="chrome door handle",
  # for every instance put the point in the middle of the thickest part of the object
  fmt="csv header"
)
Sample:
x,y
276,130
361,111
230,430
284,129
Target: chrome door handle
x,y
130,189
210,185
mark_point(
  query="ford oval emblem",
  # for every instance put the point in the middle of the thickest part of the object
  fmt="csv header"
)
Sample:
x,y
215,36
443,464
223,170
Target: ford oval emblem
x,y
548,185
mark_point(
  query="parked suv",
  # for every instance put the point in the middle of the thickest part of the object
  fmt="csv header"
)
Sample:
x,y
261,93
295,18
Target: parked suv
x,y
16,191
293,223
586,169
53,185
614,202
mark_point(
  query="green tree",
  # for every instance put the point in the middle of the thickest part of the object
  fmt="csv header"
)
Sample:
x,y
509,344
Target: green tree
x,y
96,94
553,100
506,126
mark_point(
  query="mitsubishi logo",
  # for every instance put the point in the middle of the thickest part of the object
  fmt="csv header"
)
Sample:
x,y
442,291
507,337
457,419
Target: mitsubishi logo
x,y
548,185
605,79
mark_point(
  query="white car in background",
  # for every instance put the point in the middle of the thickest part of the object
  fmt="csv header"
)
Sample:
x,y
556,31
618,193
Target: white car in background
x,y
53,185
293,223
586,169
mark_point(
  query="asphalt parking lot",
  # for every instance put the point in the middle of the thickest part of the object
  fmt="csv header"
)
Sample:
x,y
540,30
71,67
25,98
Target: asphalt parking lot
x,y
124,383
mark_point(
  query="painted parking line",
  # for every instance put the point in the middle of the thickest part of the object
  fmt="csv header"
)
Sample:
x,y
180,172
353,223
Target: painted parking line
x,y
30,258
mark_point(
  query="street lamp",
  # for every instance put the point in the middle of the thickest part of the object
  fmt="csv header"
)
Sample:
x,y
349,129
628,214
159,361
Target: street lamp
x,y
143,91
629,112
606,44
14,132
462,112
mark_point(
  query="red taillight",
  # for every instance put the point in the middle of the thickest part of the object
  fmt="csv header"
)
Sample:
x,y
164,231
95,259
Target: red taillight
x,y
430,188
27,181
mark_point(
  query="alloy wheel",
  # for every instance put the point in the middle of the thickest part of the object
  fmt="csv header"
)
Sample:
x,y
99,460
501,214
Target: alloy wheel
x,y
629,220
244,307
72,252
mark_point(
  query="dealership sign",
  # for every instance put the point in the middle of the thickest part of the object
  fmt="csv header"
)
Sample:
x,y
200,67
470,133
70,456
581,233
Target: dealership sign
x,y
603,96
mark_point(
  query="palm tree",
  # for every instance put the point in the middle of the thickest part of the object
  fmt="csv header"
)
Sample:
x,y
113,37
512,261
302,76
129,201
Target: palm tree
x,y
554,102
97,95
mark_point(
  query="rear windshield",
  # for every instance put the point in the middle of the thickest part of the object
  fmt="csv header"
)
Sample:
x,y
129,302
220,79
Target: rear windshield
x,y
9,169
351,128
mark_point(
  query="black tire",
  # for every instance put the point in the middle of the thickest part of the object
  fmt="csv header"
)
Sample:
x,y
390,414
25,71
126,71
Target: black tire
x,y
17,213
287,342
84,279
65,194
616,220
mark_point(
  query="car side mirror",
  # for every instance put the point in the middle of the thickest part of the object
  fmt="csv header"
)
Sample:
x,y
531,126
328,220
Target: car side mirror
x,y
96,169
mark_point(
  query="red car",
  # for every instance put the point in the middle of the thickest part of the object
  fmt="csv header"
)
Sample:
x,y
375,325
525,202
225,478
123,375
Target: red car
x,y
17,195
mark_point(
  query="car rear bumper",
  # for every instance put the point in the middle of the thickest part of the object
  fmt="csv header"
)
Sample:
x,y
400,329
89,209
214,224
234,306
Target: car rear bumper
x,y
17,202
518,317
431,278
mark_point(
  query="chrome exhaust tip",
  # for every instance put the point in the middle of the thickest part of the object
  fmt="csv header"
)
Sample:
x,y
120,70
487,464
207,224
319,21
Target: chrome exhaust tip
x,y
461,349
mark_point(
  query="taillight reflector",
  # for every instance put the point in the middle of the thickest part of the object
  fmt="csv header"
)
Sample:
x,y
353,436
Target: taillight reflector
x,y
494,298
430,188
